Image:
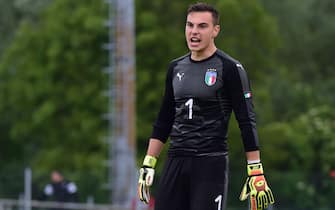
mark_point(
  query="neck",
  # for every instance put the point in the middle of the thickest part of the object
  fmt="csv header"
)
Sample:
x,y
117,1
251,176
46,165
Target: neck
x,y
201,55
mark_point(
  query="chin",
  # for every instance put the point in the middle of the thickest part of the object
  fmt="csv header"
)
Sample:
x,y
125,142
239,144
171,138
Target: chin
x,y
194,49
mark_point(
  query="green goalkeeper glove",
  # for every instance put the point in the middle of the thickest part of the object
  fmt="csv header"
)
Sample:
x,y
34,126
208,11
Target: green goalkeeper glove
x,y
256,187
147,172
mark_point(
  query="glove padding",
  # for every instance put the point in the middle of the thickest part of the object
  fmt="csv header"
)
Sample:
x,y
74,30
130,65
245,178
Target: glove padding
x,y
256,187
146,178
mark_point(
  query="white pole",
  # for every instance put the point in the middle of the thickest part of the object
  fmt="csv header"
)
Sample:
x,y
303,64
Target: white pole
x,y
27,189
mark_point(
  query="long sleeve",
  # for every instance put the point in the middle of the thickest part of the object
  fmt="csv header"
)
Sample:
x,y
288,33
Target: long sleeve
x,y
241,97
163,124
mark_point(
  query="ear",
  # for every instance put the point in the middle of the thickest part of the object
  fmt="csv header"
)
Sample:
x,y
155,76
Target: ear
x,y
216,31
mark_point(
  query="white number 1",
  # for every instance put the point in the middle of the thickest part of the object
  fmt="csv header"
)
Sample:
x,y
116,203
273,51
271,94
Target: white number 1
x,y
189,103
218,200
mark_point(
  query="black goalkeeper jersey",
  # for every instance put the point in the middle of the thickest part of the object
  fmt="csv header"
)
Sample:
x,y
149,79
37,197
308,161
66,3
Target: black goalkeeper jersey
x,y
198,101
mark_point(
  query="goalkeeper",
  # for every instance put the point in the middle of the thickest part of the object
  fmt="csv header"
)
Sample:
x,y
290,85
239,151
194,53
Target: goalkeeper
x,y
202,89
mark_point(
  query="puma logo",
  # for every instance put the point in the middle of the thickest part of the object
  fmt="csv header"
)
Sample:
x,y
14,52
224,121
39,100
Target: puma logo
x,y
180,75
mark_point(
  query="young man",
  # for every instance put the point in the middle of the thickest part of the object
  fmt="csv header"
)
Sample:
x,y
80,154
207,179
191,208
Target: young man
x,y
201,91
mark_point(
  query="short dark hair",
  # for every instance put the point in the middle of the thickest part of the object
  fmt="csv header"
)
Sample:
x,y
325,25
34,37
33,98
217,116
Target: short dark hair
x,y
204,7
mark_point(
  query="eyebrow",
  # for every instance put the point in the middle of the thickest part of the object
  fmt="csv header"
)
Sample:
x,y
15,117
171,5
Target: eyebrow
x,y
200,24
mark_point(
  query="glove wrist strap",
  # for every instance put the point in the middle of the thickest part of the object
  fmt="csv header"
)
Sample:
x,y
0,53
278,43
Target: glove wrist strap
x,y
255,169
150,161
253,161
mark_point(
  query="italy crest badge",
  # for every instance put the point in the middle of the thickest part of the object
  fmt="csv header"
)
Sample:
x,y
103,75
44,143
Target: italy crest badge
x,y
210,77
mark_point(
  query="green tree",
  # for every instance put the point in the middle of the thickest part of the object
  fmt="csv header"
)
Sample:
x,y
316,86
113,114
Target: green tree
x,y
302,79
50,93
315,153
307,29
304,150
12,13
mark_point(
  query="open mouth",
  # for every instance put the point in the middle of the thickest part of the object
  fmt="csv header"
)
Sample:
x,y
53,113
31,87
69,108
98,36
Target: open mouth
x,y
195,40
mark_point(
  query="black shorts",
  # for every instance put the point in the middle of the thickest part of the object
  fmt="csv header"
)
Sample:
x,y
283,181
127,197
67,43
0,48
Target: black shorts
x,y
193,183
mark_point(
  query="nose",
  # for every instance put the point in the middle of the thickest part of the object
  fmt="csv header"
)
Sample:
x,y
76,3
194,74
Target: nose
x,y
194,30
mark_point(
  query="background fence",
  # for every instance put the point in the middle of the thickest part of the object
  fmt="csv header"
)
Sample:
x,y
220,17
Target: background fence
x,y
11,204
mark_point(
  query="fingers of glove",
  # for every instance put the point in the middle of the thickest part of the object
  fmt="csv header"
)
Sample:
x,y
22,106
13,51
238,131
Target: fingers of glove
x,y
264,198
252,203
245,192
258,202
269,195
146,194
260,193
262,201
145,180
143,193
139,191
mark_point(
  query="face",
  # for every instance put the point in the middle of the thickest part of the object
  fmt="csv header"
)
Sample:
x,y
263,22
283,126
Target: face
x,y
56,177
200,31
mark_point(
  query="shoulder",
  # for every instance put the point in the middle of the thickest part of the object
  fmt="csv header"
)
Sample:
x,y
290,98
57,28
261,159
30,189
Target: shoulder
x,y
230,64
180,59
227,59
176,61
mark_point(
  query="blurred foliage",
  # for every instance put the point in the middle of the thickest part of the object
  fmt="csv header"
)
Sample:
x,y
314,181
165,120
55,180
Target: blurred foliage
x,y
307,29
51,102
301,156
12,13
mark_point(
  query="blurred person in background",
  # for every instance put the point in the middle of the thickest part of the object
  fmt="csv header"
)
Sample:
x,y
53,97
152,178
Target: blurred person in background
x,y
202,89
60,189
